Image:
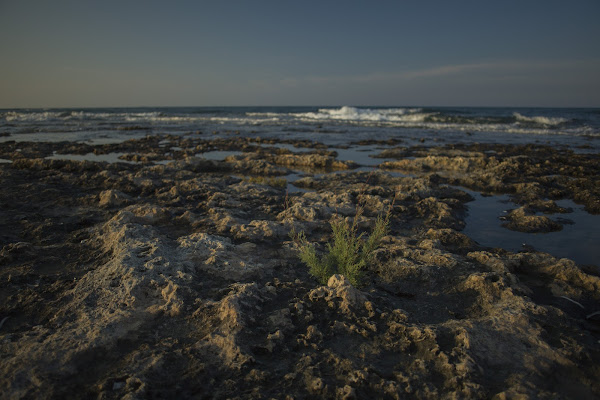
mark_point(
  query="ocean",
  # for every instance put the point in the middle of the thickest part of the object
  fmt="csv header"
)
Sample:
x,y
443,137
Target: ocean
x,y
572,127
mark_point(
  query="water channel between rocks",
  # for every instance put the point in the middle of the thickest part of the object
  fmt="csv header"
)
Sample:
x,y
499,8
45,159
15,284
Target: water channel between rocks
x,y
109,157
577,241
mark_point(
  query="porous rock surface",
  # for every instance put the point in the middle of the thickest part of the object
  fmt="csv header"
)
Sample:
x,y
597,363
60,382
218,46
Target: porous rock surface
x,y
180,281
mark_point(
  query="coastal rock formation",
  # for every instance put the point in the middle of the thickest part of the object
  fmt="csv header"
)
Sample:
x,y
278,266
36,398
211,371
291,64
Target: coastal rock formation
x,y
179,280
523,220
310,160
528,173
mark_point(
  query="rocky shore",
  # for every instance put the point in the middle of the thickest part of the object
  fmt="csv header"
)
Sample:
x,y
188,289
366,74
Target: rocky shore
x,y
165,274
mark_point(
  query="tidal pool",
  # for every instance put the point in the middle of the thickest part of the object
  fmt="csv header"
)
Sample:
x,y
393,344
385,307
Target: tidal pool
x,y
577,241
218,155
109,157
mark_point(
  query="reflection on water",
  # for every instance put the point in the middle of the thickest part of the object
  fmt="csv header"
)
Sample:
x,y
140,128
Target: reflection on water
x,y
288,146
89,137
110,157
360,155
218,155
291,178
577,241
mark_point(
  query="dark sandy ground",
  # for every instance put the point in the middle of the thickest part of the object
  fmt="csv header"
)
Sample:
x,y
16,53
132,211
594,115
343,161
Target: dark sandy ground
x,y
172,276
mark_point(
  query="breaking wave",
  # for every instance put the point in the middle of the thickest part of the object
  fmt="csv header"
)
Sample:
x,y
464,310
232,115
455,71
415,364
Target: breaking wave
x,y
440,120
49,116
540,120
348,113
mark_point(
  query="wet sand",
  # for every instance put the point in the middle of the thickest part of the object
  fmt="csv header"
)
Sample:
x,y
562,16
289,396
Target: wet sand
x,y
154,272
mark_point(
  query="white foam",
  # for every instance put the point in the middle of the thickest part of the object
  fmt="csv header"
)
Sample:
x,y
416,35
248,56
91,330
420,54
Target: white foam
x,y
46,116
265,114
243,121
159,118
348,113
14,116
87,125
540,119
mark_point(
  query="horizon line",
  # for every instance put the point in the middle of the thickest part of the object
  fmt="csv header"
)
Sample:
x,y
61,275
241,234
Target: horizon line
x,y
291,106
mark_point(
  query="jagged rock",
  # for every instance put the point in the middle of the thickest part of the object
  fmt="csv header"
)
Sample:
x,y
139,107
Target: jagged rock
x,y
522,220
179,280
113,198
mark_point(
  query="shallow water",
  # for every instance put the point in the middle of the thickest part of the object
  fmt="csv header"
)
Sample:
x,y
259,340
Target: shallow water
x,y
110,157
92,138
218,155
291,178
361,155
288,146
578,241
331,125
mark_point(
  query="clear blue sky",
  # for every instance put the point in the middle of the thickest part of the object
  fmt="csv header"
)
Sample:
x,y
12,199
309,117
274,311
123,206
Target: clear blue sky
x,y
199,53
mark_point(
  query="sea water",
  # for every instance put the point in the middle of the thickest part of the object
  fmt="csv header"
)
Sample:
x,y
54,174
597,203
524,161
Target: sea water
x,y
575,128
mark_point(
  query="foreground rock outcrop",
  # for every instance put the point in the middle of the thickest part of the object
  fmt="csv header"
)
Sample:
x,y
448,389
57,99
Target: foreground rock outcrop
x,y
179,280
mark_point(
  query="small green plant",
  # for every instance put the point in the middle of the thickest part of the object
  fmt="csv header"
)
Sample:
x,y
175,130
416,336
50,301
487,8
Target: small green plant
x,y
348,253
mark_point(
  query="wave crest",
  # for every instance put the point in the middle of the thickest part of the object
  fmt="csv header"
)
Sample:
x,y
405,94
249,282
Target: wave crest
x,y
540,120
348,113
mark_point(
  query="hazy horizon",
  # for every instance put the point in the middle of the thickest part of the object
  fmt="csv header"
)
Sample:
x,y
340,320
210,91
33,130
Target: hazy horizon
x,y
69,54
366,106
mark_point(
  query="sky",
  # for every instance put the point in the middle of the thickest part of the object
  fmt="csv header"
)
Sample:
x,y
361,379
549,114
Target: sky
x,y
227,53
